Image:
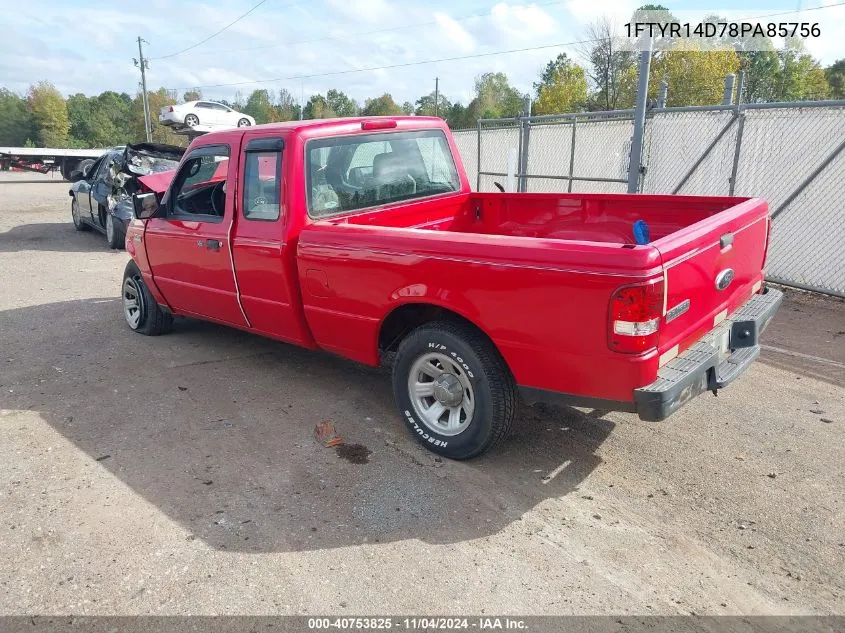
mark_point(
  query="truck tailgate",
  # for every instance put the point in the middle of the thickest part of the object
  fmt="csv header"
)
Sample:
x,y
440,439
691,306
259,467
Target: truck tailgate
x,y
711,268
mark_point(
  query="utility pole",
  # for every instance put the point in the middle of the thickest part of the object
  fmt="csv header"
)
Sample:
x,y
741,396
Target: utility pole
x,y
436,94
144,65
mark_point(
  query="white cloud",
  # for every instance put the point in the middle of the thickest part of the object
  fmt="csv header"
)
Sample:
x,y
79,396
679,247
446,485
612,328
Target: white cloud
x,y
454,33
586,11
524,22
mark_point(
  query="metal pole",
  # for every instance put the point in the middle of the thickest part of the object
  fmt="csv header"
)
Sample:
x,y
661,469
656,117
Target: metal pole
x,y
144,64
735,168
478,162
740,84
634,163
572,155
525,125
436,94
728,97
662,94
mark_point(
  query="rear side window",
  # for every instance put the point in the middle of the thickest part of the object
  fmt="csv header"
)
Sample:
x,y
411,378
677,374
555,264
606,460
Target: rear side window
x,y
357,172
262,180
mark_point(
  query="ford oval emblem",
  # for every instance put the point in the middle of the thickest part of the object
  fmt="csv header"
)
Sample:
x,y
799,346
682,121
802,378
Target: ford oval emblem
x,y
724,278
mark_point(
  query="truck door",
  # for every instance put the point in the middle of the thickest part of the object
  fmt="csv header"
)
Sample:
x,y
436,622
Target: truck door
x,y
188,247
265,265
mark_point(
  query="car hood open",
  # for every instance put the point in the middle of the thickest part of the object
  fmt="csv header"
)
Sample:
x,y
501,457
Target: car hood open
x,y
142,159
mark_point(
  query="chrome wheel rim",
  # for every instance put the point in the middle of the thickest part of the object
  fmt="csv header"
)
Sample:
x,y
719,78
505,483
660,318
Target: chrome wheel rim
x,y
243,123
74,212
109,228
441,394
133,303
191,119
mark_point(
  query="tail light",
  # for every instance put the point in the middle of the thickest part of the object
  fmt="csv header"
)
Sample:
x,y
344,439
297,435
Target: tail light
x,y
170,109
635,314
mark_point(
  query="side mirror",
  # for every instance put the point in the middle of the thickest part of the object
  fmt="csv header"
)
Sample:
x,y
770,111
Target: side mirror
x,y
145,205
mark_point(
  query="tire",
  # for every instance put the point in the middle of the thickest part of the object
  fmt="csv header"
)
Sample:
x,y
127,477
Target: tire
x,y
76,217
480,379
142,313
192,120
115,234
244,123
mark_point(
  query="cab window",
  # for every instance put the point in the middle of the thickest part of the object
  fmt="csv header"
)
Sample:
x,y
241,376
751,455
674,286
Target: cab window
x,y
200,186
262,180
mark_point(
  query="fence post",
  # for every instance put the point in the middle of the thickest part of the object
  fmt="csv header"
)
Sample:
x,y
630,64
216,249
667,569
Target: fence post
x,y
741,114
525,133
728,98
662,95
478,160
572,154
740,84
635,160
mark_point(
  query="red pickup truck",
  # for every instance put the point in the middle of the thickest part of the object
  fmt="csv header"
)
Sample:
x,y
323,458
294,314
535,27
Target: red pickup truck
x,y
361,236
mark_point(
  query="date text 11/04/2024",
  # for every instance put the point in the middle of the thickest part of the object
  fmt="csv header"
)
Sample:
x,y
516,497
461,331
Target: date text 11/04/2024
x,y
421,623
706,30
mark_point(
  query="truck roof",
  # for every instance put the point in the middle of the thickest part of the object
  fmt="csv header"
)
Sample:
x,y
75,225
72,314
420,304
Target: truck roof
x,y
328,127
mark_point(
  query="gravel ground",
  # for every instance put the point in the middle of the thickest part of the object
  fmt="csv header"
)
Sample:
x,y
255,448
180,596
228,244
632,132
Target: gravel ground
x,y
179,475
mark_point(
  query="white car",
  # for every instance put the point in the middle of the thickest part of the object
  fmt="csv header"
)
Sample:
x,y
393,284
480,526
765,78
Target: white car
x,y
206,114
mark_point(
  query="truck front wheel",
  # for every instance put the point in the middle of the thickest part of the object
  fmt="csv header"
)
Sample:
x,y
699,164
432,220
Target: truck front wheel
x,y
142,312
454,390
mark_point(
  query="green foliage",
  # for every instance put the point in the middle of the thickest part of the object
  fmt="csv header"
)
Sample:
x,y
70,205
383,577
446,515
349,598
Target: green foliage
x,y
260,107
835,74
381,106
160,133
425,106
562,87
192,95
287,108
317,108
49,111
495,97
16,123
340,104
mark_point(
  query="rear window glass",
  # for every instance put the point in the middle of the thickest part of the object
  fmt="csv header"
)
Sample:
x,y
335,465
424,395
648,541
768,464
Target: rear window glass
x,y
357,172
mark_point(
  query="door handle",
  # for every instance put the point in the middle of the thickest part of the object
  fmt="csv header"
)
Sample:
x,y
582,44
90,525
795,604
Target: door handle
x,y
213,245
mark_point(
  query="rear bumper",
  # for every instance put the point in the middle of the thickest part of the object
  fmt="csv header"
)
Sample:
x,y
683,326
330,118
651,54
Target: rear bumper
x,y
702,367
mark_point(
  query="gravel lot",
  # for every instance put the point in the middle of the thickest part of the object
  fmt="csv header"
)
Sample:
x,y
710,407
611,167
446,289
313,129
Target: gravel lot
x,y
179,475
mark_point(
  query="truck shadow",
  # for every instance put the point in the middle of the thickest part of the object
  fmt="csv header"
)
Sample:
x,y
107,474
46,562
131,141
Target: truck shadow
x,y
51,236
215,428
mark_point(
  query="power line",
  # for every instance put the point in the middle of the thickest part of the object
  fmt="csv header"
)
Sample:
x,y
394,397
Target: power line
x,y
389,66
456,58
215,34
359,33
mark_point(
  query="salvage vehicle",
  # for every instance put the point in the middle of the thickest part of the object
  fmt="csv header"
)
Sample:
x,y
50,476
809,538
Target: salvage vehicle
x,y
101,197
208,114
361,236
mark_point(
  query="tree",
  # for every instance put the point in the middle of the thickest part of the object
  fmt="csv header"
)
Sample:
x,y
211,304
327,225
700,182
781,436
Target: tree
x,y
238,101
495,97
425,105
381,106
562,87
317,108
49,111
16,124
287,108
192,95
695,77
607,65
160,133
835,74
407,108
259,107
459,117
340,104
800,77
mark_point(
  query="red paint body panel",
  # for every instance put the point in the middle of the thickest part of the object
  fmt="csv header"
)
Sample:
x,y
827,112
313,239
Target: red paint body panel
x,y
535,272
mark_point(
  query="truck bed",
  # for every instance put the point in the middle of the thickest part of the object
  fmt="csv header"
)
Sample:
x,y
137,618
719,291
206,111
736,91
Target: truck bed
x,y
511,262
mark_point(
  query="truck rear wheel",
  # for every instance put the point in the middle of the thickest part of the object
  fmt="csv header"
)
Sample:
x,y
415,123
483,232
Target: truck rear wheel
x,y
142,312
454,390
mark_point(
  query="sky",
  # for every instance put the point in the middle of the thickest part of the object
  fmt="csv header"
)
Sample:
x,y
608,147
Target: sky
x,y
88,46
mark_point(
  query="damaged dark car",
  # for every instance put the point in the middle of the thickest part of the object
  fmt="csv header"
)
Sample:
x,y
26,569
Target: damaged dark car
x,y
102,193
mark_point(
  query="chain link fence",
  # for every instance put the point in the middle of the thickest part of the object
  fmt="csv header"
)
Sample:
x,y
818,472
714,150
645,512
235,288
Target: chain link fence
x,y
790,154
